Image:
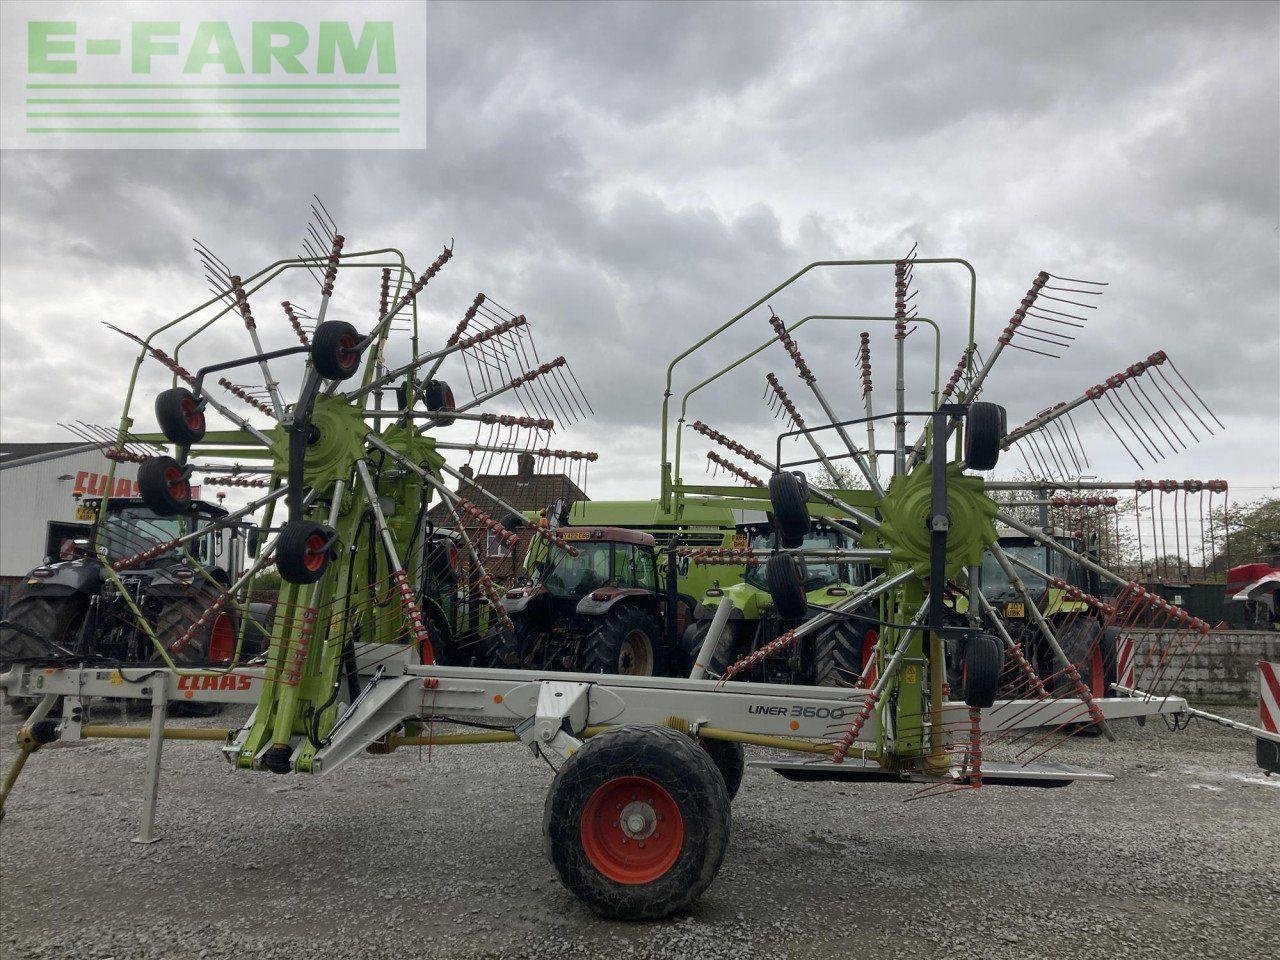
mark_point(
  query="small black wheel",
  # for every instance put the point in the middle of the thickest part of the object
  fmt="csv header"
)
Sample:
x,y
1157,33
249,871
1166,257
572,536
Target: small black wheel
x,y
636,823
730,759
180,416
333,350
983,664
983,433
789,499
784,577
439,397
627,642
303,551
163,485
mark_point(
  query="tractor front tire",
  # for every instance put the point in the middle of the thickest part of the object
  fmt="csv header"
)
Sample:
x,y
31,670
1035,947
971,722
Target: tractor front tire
x,y
1092,649
637,822
627,641
695,635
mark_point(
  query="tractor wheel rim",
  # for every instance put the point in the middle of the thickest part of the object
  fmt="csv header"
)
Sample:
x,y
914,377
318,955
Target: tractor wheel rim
x,y
222,640
313,552
193,416
631,830
347,356
179,489
635,658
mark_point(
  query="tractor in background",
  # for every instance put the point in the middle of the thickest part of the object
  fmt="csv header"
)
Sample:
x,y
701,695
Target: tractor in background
x,y
769,600
1090,645
67,608
597,610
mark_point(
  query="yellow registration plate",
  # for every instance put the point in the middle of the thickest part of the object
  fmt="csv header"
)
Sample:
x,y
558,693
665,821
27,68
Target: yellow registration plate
x,y
739,542
1016,611
574,534
86,513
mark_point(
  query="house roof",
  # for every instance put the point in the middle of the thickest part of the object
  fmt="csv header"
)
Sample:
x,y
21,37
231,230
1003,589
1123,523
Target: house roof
x,y
522,492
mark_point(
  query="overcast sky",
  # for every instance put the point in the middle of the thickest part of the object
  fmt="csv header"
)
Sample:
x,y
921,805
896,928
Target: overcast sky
x,y
630,176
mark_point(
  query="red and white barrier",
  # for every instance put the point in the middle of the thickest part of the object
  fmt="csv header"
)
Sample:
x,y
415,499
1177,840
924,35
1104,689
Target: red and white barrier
x,y
1125,656
1269,696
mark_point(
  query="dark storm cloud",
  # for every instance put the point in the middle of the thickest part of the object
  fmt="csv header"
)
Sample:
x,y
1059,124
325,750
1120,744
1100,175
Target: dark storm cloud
x,y
631,175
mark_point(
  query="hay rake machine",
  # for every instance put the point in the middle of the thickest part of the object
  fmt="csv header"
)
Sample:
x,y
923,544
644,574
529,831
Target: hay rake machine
x,y
364,658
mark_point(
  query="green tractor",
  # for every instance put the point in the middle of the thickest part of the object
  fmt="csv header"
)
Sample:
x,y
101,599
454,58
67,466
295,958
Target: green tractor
x,y
769,600
1047,576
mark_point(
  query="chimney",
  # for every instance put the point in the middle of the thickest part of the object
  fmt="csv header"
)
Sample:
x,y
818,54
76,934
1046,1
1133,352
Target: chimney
x,y
467,474
524,468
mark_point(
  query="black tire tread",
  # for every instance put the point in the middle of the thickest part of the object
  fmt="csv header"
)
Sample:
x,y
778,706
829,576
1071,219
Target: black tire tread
x,y
983,434
172,421
837,655
983,665
600,653
789,500
784,577
50,617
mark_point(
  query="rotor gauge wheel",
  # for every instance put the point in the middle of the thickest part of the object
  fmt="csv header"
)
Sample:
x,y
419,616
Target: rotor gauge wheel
x,y
164,486
303,551
181,416
439,397
335,350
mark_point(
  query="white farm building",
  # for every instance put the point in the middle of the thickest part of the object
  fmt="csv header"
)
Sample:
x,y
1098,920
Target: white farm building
x,y
42,482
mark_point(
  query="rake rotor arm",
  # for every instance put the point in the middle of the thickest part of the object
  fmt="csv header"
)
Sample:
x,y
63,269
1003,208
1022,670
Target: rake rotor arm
x,y
811,381
1011,647
426,358
794,413
865,594
426,475
1050,638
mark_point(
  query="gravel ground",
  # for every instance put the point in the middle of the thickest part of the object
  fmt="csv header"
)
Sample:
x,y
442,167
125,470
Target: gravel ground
x,y
402,857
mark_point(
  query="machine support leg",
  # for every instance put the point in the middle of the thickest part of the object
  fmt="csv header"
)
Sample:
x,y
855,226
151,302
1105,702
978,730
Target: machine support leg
x,y
939,761
155,744
711,642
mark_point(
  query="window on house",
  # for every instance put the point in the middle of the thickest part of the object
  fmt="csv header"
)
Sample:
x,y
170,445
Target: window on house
x,y
495,546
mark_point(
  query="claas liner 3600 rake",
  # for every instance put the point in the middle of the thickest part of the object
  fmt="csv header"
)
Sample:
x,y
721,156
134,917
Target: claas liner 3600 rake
x,y
368,653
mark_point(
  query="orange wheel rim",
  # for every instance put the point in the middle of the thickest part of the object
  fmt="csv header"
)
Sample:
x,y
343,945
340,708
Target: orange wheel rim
x,y
179,489
193,416
313,554
631,830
